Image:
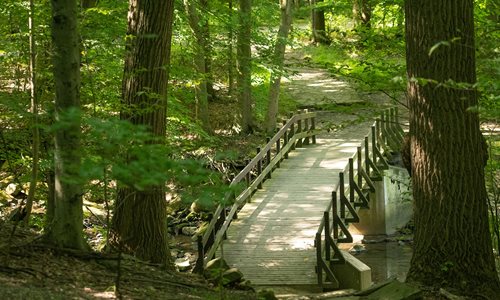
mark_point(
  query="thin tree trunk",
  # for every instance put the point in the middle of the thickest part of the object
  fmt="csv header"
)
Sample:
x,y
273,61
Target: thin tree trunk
x,y
278,59
140,217
362,12
34,116
452,241
318,24
245,66
230,50
66,229
205,29
200,58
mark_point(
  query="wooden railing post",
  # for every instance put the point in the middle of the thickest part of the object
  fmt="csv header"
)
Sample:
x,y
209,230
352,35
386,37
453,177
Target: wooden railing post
x,y
377,131
259,168
299,130
367,156
268,157
360,161
278,149
319,269
198,268
285,140
374,146
342,194
326,218
313,128
334,215
306,128
351,180
248,176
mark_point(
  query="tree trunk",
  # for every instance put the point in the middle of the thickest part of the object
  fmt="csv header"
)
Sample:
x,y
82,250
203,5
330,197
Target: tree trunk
x,y
34,115
318,24
66,229
201,89
139,221
205,29
362,12
230,50
244,65
452,241
278,59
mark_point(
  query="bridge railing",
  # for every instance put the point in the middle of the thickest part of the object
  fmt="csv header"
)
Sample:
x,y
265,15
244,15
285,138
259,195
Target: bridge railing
x,y
352,192
299,129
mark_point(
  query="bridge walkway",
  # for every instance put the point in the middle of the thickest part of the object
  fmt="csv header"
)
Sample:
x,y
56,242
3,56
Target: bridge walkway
x,y
272,240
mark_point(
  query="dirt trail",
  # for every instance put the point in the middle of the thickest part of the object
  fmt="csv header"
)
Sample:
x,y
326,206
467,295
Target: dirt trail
x,y
315,87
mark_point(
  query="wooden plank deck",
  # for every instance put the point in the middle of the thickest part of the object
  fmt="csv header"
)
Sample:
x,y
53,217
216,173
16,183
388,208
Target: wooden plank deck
x,y
272,241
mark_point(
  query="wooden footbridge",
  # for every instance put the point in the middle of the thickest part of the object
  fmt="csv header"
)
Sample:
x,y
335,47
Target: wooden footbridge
x,y
292,204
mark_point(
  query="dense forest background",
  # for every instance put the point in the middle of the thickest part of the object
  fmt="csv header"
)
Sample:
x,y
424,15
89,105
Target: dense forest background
x,y
215,116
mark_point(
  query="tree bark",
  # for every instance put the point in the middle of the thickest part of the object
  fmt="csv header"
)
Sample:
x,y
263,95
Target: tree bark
x,y
208,50
452,241
318,24
278,59
140,219
230,50
362,12
244,66
66,229
200,58
34,115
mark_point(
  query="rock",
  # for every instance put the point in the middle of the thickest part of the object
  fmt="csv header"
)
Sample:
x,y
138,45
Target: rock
x,y
189,230
182,264
4,197
357,249
245,285
232,275
374,239
215,268
12,189
266,294
396,290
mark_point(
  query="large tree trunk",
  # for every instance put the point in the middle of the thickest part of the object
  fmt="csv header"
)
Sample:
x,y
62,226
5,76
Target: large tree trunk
x,y
201,45
66,228
318,24
452,241
244,65
139,221
278,59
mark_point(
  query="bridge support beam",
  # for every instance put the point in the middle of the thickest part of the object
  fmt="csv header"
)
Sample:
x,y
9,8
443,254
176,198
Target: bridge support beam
x,y
390,205
354,274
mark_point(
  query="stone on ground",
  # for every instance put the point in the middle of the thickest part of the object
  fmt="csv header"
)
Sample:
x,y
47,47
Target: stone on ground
x,y
215,268
232,275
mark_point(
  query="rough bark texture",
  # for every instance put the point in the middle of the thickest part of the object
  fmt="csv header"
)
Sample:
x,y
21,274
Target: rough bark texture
x,y
318,24
200,61
452,240
244,66
139,221
66,228
278,58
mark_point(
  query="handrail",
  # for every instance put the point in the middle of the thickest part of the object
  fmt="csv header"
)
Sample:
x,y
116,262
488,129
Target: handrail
x,y
333,227
292,134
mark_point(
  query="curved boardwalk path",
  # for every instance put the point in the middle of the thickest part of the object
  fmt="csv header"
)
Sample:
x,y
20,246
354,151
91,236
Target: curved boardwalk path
x,y
272,241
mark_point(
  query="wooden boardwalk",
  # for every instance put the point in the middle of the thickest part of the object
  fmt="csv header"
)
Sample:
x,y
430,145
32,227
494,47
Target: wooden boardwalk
x,y
272,241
